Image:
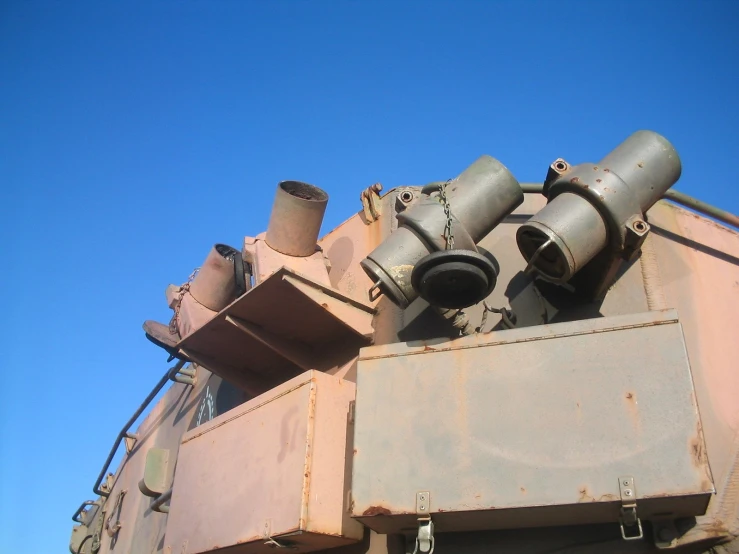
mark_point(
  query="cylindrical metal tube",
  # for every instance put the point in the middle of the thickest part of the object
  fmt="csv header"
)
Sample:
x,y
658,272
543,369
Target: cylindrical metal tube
x,y
480,198
567,233
392,263
648,163
297,214
483,195
215,284
589,205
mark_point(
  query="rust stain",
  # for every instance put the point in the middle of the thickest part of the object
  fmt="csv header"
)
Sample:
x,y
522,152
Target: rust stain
x,y
427,348
324,305
574,180
640,164
523,490
697,449
599,180
376,511
595,168
585,496
632,406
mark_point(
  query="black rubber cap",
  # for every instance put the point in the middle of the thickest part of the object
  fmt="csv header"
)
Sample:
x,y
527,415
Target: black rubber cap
x,y
454,278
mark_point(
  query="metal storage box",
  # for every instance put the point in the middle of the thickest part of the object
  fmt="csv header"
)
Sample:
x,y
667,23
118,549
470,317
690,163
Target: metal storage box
x,y
530,427
270,472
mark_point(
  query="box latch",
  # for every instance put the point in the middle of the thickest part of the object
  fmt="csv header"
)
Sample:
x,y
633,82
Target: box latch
x,y
629,521
425,537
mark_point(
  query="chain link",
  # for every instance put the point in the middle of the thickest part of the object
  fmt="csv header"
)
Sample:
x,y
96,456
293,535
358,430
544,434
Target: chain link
x,y
448,235
508,318
180,295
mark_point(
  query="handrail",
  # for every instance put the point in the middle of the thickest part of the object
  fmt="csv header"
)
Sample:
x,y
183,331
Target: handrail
x,y
169,375
78,514
674,196
156,505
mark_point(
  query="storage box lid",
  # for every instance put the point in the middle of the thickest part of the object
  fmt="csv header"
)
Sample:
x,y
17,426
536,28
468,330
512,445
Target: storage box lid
x,y
530,427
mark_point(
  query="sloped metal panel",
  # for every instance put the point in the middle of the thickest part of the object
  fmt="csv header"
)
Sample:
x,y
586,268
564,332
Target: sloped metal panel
x,y
530,427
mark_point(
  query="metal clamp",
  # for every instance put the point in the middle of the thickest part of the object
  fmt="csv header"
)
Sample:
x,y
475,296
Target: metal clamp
x,y
425,536
629,519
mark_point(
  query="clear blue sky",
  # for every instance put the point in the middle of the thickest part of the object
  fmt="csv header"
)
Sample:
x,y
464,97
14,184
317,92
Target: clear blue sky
x,y
134,135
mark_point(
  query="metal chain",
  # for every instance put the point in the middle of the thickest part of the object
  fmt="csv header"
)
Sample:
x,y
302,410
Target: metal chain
x,y
113,529
508,318
183,289
448,236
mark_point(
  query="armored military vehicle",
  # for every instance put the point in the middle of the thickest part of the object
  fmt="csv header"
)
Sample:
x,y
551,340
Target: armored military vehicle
x,y
474,365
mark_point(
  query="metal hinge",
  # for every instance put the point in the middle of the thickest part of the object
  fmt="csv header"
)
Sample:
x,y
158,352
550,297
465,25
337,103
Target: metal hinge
x,y
352,411
425,536
630,523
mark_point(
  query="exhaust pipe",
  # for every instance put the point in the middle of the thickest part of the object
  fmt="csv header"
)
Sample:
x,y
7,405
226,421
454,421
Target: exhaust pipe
x,y
297,215
215,285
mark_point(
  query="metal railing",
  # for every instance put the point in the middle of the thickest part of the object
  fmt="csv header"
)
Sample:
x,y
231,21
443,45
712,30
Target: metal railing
x,y
176,374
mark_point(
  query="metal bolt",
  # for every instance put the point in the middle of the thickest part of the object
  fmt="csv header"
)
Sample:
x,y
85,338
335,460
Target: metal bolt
x,y
423,507
406,196
628,492
626,482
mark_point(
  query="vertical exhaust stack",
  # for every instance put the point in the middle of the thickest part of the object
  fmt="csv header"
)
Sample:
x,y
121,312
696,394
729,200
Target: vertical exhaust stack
x,y
297,215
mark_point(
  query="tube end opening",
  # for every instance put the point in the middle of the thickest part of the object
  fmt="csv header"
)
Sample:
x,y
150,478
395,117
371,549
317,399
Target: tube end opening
x,y
544,252
304,191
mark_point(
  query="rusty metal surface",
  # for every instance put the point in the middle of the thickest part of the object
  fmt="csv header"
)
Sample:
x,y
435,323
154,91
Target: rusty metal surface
x,y
297,214
530,426
214,286
267,261
699,266
698,262
273,468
